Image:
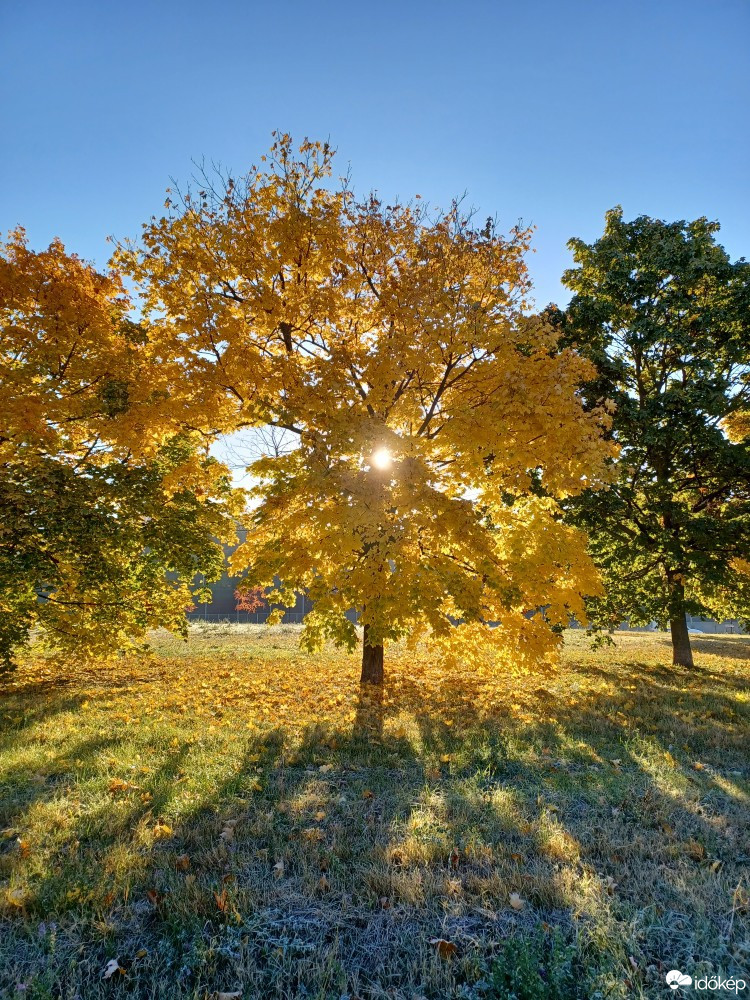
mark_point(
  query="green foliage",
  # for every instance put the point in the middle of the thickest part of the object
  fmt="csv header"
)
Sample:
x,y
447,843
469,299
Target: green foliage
x,y
93,554
538,967
664,314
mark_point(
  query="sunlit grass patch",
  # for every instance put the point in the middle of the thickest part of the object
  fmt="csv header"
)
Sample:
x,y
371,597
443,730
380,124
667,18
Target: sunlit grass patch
x,y
241,819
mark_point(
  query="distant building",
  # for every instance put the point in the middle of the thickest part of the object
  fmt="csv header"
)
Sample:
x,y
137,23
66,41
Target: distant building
x,y
223,606
705,625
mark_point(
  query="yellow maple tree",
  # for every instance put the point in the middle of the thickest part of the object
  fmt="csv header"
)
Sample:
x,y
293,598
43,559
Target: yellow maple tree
x,y
437,423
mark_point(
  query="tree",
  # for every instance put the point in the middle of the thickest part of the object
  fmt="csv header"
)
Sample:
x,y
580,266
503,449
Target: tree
x,y
437,425
107,513
249,599
665,315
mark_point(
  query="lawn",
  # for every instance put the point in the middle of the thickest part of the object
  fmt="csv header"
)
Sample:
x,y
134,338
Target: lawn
x,y
229,817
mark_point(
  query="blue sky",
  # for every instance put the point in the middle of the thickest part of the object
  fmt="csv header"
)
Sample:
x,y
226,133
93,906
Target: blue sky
x,y
547,111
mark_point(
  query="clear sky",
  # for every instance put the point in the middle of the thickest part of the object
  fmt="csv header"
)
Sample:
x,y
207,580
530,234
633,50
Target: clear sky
x,y
550,111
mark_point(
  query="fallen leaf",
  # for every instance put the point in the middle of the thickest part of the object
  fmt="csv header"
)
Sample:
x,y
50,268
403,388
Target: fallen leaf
x,y
325,768
444,948
112,966
367,794
162,830
118,785
182,862
17,897
454,858
695,850
323,884
154,897
278,869
515,901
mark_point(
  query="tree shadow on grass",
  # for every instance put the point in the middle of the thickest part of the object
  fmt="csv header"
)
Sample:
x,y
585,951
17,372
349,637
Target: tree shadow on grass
x,y
718,644
328,861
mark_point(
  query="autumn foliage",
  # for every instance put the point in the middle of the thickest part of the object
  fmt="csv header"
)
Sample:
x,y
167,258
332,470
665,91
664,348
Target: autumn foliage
x,y
367,330
250,599
108,511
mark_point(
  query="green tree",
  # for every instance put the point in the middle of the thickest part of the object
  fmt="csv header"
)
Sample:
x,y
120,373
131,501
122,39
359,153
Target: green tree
x,y
665,315
93,555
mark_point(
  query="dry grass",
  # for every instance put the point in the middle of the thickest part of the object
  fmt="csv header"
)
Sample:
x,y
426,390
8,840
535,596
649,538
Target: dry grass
x,y
230,815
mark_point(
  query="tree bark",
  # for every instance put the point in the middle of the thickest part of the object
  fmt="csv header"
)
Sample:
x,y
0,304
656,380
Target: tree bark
x,y
682,654
372,661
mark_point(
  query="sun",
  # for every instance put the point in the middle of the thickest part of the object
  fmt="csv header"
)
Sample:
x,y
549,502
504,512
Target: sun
x,y
381,459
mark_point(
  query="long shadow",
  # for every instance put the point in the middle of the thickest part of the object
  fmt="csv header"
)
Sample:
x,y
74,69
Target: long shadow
x,y
717,644
355,846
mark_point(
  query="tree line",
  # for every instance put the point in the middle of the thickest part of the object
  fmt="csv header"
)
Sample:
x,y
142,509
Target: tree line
x,y
466,471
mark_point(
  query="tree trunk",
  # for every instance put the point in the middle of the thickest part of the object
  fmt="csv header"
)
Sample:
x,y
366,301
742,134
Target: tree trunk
x,y
682,654
372,661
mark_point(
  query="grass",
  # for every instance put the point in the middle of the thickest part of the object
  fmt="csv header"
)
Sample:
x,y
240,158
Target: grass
x,y
230,815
